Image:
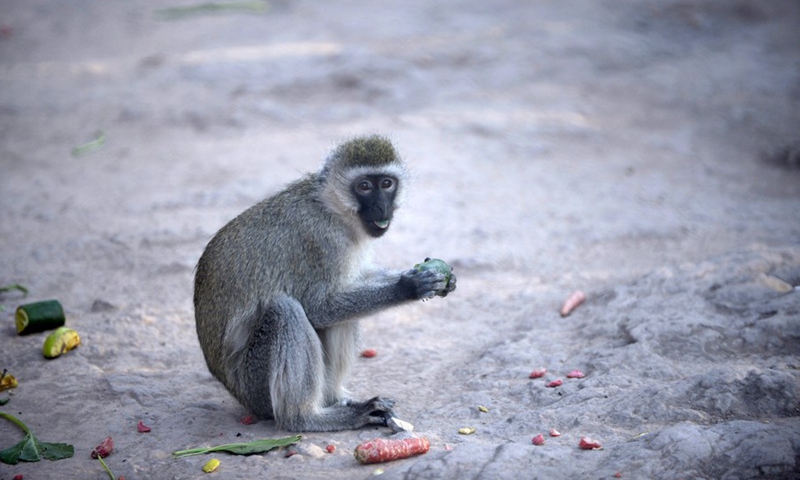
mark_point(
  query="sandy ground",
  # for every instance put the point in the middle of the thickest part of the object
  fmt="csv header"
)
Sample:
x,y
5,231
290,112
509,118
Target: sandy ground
x,y
645,152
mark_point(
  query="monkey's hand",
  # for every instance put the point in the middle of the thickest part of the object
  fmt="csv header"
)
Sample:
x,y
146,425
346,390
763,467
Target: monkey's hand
x,y
451,285
423,285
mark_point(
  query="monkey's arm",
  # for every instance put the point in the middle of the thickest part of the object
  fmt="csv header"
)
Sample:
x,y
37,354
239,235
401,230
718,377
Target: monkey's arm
x,y
383,290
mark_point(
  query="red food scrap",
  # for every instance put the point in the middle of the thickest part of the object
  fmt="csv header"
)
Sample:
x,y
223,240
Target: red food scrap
x,y
331,448
385,450
538,439
575,374
538,373
587,443
142,428
618,475
572,302
369,353
554,433
104,449
248,420
555,383
18,477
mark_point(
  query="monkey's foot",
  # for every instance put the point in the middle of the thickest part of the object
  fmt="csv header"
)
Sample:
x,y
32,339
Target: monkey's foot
x,y
377,409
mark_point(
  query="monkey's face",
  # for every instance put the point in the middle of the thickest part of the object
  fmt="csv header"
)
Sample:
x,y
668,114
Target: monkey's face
x,y
375,195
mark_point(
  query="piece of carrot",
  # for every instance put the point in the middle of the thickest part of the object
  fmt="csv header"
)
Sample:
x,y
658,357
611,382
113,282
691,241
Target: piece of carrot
x,y
385,450
572,302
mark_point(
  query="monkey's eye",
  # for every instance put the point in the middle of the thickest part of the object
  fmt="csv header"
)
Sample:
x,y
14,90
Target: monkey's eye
x,y
364,186
387,183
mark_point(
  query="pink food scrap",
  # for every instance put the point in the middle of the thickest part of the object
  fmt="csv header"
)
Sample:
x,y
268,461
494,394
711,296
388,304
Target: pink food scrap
x,y
571,303
104,449
587,443
538,373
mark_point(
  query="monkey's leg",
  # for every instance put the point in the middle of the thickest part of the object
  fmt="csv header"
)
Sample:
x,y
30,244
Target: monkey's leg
x,y
339,344
287,351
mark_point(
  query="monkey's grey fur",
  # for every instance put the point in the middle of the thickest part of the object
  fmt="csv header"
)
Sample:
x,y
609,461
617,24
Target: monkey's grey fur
x,y
279,291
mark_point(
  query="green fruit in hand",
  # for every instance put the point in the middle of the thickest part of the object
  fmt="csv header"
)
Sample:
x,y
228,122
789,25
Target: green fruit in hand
x,y
438,265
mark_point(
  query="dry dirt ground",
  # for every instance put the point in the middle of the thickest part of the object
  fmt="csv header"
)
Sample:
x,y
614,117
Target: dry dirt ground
x,y
644,151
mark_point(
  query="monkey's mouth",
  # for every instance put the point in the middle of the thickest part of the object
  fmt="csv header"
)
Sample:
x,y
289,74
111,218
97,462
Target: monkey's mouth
x,y
382,224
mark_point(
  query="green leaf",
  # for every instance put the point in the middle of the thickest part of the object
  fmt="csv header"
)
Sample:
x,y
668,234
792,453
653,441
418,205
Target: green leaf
x,y
29,449
256,446
24,450
56,451
3,401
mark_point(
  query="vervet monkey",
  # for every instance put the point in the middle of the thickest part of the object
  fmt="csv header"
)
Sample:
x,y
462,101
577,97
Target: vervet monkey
x,y
279,290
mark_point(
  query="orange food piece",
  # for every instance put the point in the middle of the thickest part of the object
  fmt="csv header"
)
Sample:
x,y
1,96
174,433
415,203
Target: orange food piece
x,y
385,450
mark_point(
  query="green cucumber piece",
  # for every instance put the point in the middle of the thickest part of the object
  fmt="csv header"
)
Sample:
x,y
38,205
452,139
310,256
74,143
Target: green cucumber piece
x,y
39,316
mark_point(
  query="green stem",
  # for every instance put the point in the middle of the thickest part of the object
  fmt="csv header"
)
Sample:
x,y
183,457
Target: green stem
x,y
16,421
111,475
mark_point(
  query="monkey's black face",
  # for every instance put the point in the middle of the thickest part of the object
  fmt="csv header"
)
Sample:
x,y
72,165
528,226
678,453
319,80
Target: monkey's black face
x,y
375,195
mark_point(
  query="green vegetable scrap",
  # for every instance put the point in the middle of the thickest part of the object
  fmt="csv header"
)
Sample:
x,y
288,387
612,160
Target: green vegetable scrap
x,y
90,147
39,316
32,450
11,287
59,342
14,286
256,446
258,6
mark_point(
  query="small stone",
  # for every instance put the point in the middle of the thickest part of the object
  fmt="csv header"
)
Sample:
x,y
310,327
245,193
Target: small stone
x,y
397,425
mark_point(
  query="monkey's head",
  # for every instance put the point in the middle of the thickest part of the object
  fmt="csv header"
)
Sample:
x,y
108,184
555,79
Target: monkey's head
x,y
362,180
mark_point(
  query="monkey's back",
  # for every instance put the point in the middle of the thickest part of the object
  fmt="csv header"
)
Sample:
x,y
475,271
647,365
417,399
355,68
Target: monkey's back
x,y
287,244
